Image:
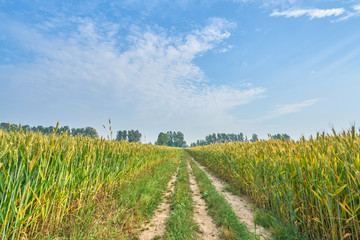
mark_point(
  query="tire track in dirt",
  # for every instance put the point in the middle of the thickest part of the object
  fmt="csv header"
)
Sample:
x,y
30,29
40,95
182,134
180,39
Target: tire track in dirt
x,y
240,205
207,226
157,225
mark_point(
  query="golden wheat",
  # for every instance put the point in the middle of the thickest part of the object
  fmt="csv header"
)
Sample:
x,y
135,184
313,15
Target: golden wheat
x,y
312,184
44,178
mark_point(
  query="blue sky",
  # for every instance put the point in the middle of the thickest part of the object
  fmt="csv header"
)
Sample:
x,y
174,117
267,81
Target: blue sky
x,y
255,66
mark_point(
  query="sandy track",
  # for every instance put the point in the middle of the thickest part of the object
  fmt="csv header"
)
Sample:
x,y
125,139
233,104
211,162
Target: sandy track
x,y
240,205
157,225
207,226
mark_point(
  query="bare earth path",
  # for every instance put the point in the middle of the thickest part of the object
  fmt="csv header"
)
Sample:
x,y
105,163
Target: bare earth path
x,y
207,226
240,205
157,225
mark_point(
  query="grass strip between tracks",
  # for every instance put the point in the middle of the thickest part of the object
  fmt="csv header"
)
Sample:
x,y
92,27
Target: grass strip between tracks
x,y
219,209
181,223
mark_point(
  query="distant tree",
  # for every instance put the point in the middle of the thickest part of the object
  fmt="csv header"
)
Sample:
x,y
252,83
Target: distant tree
x,y
64,129
77,132
121,135
175,139
13,127
276,136
134,136
130,135
5,126
34,129
49,130
240,137
281,136
73,132
124,135
162,139
254,138
26,128
208,139
201,143
286,137
220,138
170,139
179,139
88,131
91,132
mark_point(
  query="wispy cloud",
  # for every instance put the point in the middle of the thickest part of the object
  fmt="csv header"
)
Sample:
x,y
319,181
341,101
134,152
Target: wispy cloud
x,y
281,110
154,75
226,48
357,7
311,13
355,12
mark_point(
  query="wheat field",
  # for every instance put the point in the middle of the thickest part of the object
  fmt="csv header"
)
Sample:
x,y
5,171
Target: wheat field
x,y
311,184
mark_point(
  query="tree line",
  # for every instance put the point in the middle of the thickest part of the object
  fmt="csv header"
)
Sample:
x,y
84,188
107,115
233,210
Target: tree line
x,y
225,137
130,135
172,139
281,136
87,131
222,138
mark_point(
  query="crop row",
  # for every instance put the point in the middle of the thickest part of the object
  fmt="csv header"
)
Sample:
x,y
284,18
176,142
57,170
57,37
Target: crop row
x,y
311,184
44,179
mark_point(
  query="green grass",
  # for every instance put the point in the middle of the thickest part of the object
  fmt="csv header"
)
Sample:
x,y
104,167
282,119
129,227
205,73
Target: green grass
x,y
120,215
181,225
232,189
279,229
219,209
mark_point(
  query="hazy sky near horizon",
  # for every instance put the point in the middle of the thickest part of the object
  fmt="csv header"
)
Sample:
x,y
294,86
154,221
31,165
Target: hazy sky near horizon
x,y
250,66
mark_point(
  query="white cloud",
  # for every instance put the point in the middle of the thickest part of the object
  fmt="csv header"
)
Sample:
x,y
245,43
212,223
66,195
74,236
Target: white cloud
x,y
312,13
226,48
281,110
349,14
154,76
357,7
